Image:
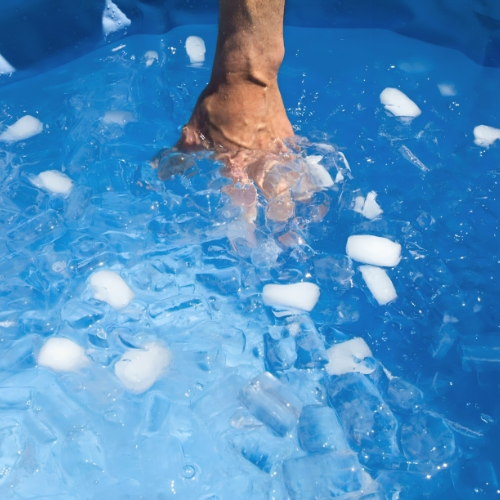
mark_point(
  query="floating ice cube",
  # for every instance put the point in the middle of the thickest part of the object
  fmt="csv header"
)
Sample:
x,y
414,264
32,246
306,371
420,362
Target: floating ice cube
x,y
119,117
262,448
195,48
113,19
379,284
150,57
311,352
368,207
398,103
403,395
367,420
271,402
62,355
323,475
280,354
427,438
301,296
484,135
5,66
138,369
319,430
109,287
351,356
373,250
318,173
53,181
24,128
447,89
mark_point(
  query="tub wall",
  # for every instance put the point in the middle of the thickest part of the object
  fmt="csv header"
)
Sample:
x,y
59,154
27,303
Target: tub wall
x,y
35,34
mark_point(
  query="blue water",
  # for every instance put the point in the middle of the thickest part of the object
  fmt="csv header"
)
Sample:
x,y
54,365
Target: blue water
x,y
204,430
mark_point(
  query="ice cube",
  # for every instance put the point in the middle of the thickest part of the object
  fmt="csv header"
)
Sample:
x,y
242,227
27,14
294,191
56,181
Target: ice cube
x,y
271,402
301,296
138,369
113,19
371,208
399,104
367,420
53,181
317,173
335,271
280,354
24,128
368,207
110,287
195,49
262,448
150,57
351,356
62,355
5,66
403,395
374,250
16,398
319,430
311,351
379,284
427,438
484,135
118,117
323,475
447,89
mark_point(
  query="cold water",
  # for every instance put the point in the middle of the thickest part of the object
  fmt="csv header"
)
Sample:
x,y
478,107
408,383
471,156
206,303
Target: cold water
x,y
178,375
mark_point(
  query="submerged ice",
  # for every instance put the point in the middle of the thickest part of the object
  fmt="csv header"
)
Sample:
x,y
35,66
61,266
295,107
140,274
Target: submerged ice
x,y
169,332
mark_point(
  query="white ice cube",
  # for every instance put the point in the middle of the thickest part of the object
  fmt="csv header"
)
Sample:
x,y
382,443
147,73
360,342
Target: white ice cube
x,y
399,104
379,284
113,19
318,173
5,67
119,117
297,295
368,207
150,57
53,181
109,287
359,203
24,128
371,208
485,136
195,48
348,357
374,250
447,89
62,355
138,369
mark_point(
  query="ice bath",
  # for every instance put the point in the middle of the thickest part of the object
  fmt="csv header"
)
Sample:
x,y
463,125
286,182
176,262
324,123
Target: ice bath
x,y
154,344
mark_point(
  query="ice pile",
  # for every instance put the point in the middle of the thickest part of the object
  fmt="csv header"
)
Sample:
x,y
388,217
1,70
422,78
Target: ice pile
x,y
171,332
